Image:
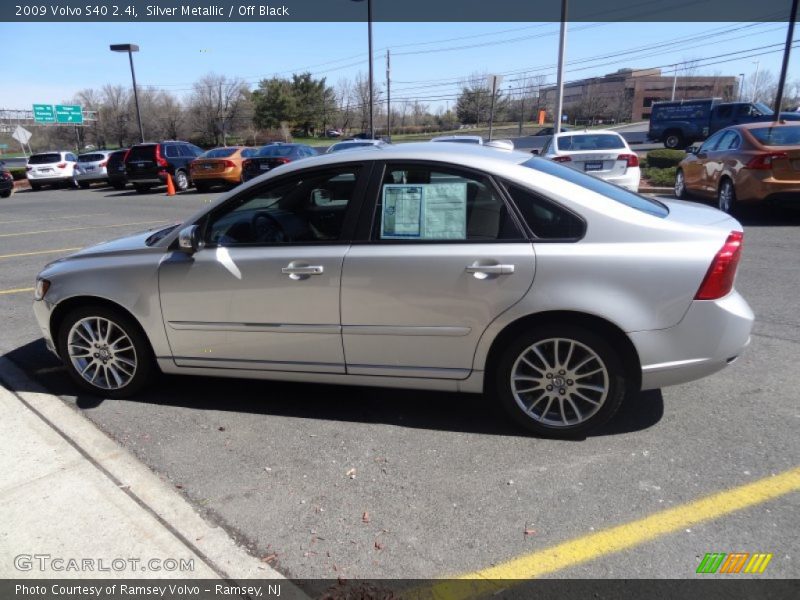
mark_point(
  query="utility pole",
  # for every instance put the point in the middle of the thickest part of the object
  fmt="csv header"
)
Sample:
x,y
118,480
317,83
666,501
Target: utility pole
x,y
757,63
785,65
521,111
388,97
562,45
741,87
496,79
674,82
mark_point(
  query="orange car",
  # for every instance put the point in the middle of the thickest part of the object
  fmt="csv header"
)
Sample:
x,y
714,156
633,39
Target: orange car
x,y
220,166
744,164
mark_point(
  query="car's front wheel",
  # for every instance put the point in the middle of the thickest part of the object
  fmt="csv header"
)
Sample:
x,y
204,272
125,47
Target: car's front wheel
x,y
105,352
181,181
726,196
560,381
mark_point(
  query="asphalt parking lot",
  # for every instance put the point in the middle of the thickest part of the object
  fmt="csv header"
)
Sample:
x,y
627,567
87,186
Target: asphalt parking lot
x,y
330,481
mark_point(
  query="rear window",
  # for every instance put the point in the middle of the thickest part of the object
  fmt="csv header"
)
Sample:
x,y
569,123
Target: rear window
x,y
349,145
41,159
609,190
590,141
219,153
778,136
146,152
276,151
85,158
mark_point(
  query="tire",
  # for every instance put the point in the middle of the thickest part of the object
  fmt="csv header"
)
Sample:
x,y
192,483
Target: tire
x,y
674,140
35,187
680,185
569,411
726,197
181,181
142,188
5,194
201,188
134,367
84,185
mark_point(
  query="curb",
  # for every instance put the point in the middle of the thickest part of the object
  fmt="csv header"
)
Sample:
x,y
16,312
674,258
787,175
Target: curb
x,y
211,544
655,190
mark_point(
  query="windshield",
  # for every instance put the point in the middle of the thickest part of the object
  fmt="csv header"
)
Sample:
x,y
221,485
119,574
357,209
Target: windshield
x,y
778,136
763,108
219,153
609,190
85,158
590,141
276,151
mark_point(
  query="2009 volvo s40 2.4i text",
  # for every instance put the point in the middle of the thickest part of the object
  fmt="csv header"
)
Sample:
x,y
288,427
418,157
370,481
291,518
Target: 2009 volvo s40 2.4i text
x,y
428,266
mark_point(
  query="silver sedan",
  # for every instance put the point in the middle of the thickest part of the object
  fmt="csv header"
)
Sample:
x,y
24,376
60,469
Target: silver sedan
x,y
422,266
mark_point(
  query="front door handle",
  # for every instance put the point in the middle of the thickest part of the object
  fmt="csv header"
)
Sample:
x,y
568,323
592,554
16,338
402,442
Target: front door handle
x,y
483,271
302,271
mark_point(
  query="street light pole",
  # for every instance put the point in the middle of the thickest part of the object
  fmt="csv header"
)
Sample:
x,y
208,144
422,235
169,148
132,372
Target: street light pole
x,y
130,49
371,80
757,63
741,87
785,64
674,82
562,44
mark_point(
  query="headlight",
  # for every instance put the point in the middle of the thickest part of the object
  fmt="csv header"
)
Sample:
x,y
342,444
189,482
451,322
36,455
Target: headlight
x,y
42,285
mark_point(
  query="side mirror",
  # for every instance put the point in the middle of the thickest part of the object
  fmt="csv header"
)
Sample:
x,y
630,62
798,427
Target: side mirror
x,y
189,239
692,150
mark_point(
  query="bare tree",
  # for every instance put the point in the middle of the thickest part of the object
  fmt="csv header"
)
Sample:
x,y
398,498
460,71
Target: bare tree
x,y
360,99
216,102
115,114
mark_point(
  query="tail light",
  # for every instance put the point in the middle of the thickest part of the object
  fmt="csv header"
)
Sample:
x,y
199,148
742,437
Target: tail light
x,y
62,165
103,164
160,161
282,161
763,162
631,159
718,281
228,164
562,159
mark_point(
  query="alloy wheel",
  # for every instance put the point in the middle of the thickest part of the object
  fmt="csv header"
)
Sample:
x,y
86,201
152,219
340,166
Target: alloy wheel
x,y
102,353
726,197
559,382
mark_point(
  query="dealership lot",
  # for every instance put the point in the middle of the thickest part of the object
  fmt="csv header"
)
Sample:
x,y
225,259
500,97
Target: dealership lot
x,y
360,482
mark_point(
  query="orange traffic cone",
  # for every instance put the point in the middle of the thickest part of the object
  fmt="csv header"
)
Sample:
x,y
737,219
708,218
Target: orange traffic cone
x,y
170,186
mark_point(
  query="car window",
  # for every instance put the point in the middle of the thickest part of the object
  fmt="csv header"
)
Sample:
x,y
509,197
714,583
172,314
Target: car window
x,y
546,219
85,158
422,203
728,137
171,151
43,159
609,190
71,157
777,136
303,208
219,152
711,142
724,112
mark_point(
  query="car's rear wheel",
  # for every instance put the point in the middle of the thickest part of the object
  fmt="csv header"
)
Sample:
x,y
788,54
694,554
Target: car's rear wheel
x,y
84,185
726,197
680,185
181,181
141,188
105,352
36,187
560,381
5,194
673,140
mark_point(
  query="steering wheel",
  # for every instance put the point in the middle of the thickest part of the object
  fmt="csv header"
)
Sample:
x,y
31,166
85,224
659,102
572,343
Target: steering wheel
x,y
266,228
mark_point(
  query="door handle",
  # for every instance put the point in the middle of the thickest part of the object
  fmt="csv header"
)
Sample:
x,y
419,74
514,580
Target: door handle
x,y
481,271
304,270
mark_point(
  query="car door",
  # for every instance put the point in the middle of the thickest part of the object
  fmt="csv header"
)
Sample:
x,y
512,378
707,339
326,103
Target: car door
x,y
264,291
714,161
440,256
694,170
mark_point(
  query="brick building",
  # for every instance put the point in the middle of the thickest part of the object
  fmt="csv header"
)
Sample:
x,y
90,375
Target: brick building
x,y
628,94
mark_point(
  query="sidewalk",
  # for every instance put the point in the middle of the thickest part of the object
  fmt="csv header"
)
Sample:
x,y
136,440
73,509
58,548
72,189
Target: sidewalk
x,y
70,492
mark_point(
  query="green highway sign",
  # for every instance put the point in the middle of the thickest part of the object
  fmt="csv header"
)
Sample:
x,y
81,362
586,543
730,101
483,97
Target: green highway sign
x,y
43,113
69,114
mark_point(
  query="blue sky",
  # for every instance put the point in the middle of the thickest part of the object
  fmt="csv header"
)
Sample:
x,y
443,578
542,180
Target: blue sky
x,y
58,59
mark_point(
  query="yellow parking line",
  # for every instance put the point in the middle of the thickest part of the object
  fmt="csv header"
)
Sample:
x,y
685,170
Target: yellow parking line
x,y
80,228
15,291
55,218
616,539
2,256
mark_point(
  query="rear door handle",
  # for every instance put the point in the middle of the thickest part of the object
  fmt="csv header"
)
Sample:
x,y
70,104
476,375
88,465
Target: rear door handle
x,y
484,270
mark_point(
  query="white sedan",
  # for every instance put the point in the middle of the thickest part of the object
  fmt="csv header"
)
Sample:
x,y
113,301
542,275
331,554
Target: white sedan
x,y
604,154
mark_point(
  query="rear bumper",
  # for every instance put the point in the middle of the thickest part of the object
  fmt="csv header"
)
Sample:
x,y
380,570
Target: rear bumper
x,y
754,186
712,334
55,178
95,175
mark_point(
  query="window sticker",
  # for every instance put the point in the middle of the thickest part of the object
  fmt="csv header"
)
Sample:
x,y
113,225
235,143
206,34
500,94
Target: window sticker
x,y
432,211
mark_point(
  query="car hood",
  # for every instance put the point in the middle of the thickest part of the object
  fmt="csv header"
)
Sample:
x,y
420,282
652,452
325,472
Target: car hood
x,y
123,245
